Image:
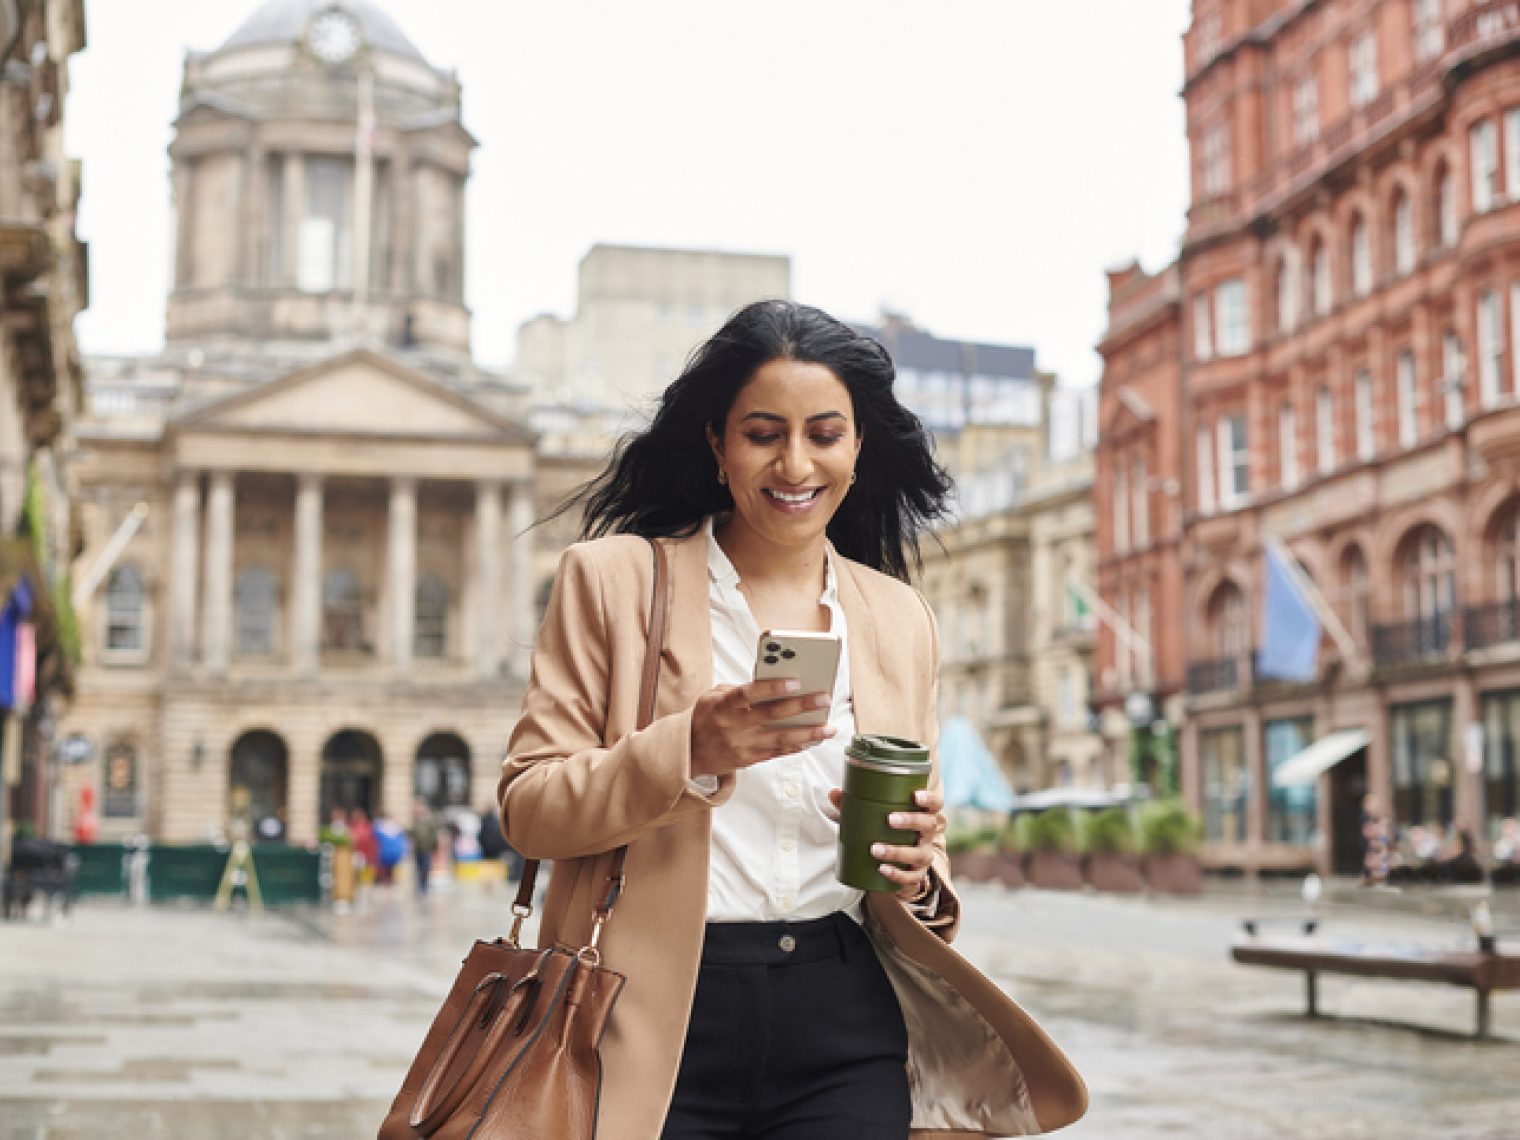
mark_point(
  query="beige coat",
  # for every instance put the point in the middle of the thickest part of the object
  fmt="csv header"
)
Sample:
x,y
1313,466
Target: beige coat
x,y
578,782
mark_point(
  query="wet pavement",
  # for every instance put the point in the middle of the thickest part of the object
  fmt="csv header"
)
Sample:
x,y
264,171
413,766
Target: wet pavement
x,y
182,1023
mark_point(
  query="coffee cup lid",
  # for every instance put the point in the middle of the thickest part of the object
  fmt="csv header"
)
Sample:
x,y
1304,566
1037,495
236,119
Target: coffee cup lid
x,y
888,749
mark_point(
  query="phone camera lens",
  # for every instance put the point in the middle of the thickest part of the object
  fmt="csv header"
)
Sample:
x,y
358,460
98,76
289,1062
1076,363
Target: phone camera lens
x,y
771,646
771,659
788,654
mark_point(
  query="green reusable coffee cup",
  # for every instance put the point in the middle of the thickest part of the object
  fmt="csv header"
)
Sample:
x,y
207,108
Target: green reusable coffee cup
x,y
881,773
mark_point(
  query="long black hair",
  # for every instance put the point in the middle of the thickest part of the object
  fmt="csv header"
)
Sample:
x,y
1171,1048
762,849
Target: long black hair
x,y
664,480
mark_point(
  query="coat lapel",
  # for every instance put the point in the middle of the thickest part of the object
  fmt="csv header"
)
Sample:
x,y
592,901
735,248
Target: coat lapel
x,y
688,671
868,689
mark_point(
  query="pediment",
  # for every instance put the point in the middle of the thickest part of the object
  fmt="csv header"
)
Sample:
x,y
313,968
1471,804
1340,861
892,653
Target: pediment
x,y
359,393
1131,413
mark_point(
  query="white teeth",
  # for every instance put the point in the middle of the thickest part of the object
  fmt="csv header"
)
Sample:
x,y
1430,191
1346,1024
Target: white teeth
x,y
786,497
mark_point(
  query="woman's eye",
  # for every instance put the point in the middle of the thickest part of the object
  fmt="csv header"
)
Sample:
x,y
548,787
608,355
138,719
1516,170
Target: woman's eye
x,y
762,439
827,440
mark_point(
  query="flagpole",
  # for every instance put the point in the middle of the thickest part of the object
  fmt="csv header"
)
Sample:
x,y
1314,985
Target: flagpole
x,y
1317,602
1122,629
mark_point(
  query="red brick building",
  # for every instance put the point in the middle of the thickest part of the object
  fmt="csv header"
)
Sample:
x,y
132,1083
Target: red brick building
x,y
1331,362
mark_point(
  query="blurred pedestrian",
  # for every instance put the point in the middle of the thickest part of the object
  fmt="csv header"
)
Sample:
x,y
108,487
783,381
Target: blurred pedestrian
x,y
390,848
494,845
1375,842
424,837
366,848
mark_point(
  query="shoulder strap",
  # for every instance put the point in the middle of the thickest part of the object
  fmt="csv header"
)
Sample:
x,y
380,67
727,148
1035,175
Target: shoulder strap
x,y
649,685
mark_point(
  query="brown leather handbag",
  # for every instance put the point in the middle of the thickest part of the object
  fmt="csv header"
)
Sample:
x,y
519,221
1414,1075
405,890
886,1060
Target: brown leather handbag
x,y
512,1055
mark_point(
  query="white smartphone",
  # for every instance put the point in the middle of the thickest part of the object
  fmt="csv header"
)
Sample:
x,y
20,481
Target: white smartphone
x,y
809,658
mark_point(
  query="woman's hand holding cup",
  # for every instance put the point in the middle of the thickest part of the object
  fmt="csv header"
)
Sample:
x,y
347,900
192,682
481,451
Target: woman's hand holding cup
x,y
909,866
731,725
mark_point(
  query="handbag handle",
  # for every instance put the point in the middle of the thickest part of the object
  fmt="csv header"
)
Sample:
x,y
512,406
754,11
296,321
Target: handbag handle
x,y
522,907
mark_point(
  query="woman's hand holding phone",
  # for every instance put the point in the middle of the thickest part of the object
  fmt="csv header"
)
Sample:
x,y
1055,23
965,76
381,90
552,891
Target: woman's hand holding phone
x,y
732,726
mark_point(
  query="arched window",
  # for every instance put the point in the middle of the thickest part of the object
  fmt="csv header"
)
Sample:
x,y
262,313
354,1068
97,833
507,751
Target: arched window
x,y
442,774
1403,234
1356,593
1429,574
431,618
257,781
342,612
1361,257
1286,291
1319,278
254,598
1446,207
1507,556
1229,631
124,610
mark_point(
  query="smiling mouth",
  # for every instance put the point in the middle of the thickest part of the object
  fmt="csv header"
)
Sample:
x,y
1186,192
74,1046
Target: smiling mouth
x,y
793,496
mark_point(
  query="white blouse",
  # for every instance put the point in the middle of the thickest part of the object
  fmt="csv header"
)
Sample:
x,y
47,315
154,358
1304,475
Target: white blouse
x,y
773,845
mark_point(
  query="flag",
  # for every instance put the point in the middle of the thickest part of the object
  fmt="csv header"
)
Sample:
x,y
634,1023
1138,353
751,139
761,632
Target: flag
x,y
1078,607
1290,627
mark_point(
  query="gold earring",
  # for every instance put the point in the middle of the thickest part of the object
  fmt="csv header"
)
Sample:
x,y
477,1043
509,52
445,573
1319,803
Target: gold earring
x,y
722,477
852,478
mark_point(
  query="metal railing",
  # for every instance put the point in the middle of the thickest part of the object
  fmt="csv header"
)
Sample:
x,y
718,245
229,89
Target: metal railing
x,y
1218,675
1405,642
1493,624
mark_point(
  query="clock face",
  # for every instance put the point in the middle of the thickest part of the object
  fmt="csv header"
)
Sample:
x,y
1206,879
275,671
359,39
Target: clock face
x,y
333,36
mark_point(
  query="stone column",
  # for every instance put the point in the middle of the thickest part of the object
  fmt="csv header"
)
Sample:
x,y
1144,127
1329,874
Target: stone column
x,y
401,581
217,630
524,619
305,578
187,510
487,578
294,208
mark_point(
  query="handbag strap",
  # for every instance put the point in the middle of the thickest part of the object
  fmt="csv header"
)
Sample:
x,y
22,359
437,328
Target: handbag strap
x,y
649,683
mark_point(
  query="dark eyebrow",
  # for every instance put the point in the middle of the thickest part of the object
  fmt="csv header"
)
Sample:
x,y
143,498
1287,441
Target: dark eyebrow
x,y
772,417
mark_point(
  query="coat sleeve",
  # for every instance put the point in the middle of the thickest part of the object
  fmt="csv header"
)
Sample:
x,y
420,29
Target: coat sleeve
x,y
945,918
565,791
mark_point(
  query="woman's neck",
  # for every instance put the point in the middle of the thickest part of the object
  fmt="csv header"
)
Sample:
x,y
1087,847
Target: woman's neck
x,y
762,563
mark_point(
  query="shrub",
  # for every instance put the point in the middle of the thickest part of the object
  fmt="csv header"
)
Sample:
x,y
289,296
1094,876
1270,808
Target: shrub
x,y
1110,832
960,840
1011,837
1052,830
1168,828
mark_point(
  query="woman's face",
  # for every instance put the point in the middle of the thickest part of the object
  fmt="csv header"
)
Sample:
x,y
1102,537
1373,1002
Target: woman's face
x,y
789,446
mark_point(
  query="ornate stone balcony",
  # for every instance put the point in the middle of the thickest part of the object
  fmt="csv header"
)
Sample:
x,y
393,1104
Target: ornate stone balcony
x,y
1495,434
1412,642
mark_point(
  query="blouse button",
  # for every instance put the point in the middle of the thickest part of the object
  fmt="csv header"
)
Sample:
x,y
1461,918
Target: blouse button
x,y
787,943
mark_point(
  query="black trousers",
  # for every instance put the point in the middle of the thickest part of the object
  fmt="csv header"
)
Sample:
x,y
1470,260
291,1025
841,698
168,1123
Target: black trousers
x,y
795,1034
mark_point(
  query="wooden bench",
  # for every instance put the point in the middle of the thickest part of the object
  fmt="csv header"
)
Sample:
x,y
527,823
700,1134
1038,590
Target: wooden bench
x,y
1482,968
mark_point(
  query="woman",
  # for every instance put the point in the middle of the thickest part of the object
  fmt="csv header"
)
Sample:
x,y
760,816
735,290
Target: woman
x,y
787,485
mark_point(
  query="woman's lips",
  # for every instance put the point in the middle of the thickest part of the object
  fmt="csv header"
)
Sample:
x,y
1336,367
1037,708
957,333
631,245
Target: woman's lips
x,y
792,502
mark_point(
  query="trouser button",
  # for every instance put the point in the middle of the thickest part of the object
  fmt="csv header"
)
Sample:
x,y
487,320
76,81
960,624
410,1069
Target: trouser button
x,y
787,943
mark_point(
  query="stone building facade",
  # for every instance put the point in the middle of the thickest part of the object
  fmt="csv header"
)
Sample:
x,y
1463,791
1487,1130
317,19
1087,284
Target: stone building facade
x,y
310,516
1344,354
43,286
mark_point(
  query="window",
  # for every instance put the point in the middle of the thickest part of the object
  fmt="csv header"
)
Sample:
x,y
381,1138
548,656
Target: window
x,y
1290,810
1234,319
1324,431
1356,593
1143,628
1423,773
1204,458
1361,258
1123,655
274,220
1484,148
430,632
1408,400
1514,335
1429,574
1226,785
1287,445
1366,436
342,613
1429,30
1403,235
1507,557
1490,348
1216,160
1512,154
1203,337
1140,489
1306,110
1446,210
124,610
1501,738
1320,284
1287,291
1121,511
1229,627
1234,461
325,257
1453,376
1363,65
254,600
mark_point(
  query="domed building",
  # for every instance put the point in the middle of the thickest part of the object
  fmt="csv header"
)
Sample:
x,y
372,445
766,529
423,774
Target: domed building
x,y
308,575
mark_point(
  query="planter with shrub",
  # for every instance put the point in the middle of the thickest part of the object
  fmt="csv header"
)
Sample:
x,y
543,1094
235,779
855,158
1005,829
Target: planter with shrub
x,y
1112,863
973,853
1169,839
1010,861
1053,859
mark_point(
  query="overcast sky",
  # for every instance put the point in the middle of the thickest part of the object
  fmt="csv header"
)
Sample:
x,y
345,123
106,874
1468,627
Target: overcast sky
x,y
976,164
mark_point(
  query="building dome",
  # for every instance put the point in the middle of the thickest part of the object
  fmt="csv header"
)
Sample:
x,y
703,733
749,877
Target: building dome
x,y
284,22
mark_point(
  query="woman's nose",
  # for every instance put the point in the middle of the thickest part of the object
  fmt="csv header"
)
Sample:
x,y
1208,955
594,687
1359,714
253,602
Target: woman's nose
x,y
796,464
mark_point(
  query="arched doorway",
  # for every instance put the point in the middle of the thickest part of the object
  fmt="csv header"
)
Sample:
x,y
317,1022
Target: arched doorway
x,y
442,774
350,773
258,777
